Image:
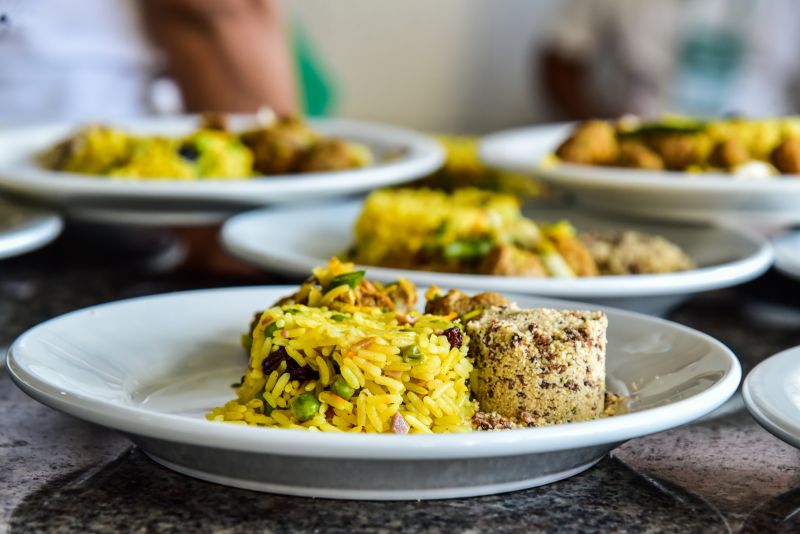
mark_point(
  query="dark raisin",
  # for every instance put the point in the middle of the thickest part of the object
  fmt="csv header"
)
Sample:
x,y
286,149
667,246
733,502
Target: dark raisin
x,y
454,337
303,374
188,152
274,360
296,372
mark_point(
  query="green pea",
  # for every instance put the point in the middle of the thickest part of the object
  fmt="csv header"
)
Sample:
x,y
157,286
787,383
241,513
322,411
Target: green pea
x,y
305,406
271,328
467,249
412,354
342,388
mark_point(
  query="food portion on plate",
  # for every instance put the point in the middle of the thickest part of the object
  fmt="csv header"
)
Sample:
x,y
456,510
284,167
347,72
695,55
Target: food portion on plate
x,y
463,168
745,148
344,353
480,232
273,147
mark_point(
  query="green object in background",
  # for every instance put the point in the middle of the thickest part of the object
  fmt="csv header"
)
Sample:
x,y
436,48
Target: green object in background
x,y
316,85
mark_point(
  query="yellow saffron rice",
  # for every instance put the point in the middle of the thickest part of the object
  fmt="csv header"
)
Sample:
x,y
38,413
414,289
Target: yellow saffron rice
x,y
369,350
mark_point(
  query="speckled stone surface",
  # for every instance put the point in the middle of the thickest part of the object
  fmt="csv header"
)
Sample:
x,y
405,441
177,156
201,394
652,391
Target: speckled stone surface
x,y
59,474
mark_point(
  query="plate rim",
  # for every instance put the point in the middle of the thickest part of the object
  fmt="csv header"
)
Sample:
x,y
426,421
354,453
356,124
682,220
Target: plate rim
x,y
780,426
702,279
787,263
373,446
38,229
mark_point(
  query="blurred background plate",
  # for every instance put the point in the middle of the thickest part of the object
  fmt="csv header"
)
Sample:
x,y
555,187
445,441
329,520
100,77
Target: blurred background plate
x,y
663,195
293,241
772,395
401,155
787,254
25,229
187,352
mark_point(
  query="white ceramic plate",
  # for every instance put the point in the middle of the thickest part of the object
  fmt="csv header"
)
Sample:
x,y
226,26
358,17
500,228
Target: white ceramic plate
x,y
401,155
787,254
646,194
150,367
25,229
771,393
293,241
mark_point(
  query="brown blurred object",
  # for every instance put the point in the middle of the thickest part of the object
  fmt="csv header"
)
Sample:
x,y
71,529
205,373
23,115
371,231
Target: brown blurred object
x,y
278,148
728,153
639,156
206,255
786,156
229,55
592,143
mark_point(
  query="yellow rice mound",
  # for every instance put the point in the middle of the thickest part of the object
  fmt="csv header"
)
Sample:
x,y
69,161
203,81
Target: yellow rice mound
x,y
365,348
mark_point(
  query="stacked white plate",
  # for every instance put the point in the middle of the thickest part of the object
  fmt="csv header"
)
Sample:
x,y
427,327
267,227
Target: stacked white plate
x,y
787,254
771,393
25,229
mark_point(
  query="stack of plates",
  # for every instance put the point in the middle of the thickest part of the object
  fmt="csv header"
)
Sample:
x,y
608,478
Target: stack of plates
x,y
26,229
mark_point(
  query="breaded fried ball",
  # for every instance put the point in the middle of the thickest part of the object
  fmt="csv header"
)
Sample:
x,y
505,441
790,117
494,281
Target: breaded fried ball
x,y
678,151
592,143
639,156
278,147
728,153
786,156
333,155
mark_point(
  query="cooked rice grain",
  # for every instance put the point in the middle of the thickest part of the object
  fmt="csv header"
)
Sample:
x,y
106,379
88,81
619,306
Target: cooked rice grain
x,y
365,348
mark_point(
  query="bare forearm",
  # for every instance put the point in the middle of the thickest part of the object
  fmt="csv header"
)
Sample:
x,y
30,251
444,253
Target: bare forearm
x,y
566,85
225,56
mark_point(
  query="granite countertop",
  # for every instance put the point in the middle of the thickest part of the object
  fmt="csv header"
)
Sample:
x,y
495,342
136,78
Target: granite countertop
x,y
57,473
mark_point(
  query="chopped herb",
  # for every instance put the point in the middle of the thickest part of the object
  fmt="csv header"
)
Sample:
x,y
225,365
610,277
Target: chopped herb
x,y
467,249
271,328
412,354
471,314
338,317
247,342
239,383
293,311
666,128
346,279
267,406
442,229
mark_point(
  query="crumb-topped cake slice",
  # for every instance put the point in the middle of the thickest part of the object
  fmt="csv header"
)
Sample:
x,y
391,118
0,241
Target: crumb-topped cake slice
x,y
541,366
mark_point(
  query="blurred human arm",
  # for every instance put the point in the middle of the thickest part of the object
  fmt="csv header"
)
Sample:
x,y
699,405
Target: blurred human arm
x,y
565,82
229,55
564,65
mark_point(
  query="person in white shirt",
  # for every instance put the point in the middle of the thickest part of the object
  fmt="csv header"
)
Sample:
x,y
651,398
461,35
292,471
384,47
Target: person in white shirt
x,y
99,59
701,57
